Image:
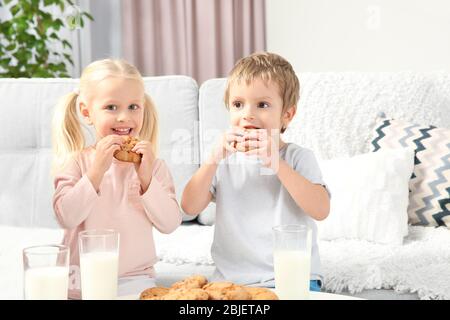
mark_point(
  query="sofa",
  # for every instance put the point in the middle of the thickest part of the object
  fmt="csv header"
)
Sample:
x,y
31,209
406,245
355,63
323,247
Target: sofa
x,y
336,116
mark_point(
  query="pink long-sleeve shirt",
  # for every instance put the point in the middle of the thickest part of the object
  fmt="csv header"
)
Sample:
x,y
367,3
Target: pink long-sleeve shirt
x,y
118,205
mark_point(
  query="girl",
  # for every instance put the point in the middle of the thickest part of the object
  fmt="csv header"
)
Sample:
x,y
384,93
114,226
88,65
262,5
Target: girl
x,y
94,190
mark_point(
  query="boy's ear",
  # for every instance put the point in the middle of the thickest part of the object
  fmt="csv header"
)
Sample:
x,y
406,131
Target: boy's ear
x,y
289,115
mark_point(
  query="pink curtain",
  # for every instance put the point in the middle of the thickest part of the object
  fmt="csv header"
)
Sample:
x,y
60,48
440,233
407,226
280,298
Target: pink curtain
x,y
199,38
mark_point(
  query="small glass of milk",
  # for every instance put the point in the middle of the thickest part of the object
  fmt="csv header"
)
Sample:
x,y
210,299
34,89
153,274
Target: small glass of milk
x,y
46,272
292,261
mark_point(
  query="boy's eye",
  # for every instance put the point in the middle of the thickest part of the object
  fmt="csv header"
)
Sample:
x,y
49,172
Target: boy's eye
x,y
133,107
263,105
111,107
237,105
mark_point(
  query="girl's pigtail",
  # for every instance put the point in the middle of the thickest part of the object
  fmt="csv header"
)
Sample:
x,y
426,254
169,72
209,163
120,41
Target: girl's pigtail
x,y
67,136
150,128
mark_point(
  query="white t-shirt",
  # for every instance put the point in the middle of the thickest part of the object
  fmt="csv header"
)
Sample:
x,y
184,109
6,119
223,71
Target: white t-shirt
x,y
249,202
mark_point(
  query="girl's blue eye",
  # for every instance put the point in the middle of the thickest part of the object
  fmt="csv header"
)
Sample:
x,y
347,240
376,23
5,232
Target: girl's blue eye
x,y
263,105
133,107
111,107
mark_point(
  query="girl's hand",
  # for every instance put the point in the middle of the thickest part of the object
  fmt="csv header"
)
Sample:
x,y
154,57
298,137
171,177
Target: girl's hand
x,y
227,144
104,153
145,168
261,144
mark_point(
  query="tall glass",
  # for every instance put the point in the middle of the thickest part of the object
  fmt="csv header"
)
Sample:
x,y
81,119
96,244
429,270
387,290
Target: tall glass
x,y
292,261
46,272
99,264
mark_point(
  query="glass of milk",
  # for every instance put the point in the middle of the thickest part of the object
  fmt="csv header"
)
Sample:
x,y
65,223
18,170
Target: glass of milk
x,y
99,264
46,272
292,261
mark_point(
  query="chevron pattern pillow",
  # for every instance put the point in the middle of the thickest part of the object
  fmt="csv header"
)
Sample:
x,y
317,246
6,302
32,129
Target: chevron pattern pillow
x,y
429,197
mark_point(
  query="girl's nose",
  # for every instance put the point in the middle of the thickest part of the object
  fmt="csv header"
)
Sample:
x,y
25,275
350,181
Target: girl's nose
x,y
122,117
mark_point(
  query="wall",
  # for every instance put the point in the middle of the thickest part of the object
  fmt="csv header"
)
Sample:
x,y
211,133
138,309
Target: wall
x,y
100,38
360,35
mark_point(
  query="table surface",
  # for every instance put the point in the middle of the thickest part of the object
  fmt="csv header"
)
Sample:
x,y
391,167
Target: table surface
x,y
313,295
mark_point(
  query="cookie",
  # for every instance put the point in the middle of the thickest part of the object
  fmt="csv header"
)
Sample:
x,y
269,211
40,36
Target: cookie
x,y
195,281
226,291
153,293
186,294
125,154
261,293
240,146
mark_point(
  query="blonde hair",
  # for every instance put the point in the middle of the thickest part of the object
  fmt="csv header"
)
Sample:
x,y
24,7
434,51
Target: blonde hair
x,y
67,136
267,67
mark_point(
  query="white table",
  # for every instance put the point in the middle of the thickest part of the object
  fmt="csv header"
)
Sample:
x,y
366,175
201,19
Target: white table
x,y
313,296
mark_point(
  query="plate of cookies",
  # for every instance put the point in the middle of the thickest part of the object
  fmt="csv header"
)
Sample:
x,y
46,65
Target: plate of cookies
x,y
197,287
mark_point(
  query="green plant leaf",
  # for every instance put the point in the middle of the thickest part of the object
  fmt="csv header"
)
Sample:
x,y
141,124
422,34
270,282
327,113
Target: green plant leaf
x,y
66,44
54,36
11,47
28,36
15,9
68,57
57,24
89,16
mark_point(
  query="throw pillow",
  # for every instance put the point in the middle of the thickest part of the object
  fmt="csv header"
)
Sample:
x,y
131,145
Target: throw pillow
x,y
429,200
370,196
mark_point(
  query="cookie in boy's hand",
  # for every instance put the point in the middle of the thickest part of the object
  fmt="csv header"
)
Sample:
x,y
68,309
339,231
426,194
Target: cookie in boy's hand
x,y
125,154
241,146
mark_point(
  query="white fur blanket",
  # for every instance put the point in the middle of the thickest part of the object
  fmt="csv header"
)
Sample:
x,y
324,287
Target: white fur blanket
x,y
421,265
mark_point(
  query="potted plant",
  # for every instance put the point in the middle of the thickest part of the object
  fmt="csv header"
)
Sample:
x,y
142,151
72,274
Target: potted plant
x,y
30,40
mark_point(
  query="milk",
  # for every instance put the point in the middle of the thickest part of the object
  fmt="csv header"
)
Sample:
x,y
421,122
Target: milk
x,y
46,283
292,274
99,275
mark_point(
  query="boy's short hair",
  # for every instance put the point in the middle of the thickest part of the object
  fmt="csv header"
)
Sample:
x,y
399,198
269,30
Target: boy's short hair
x,y
268,67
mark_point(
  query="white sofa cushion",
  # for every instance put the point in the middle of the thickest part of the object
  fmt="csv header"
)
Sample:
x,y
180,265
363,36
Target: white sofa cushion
x,y
369,196
25,144
214,120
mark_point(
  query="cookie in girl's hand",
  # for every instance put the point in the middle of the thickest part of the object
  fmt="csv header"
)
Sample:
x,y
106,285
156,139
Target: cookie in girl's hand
x,y
125,154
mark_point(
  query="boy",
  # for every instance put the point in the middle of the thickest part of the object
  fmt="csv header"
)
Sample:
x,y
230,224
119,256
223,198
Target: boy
x,y
261,95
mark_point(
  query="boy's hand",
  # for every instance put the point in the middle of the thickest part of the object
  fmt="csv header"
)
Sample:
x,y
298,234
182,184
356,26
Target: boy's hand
x,y
258,142
227,143
144,169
